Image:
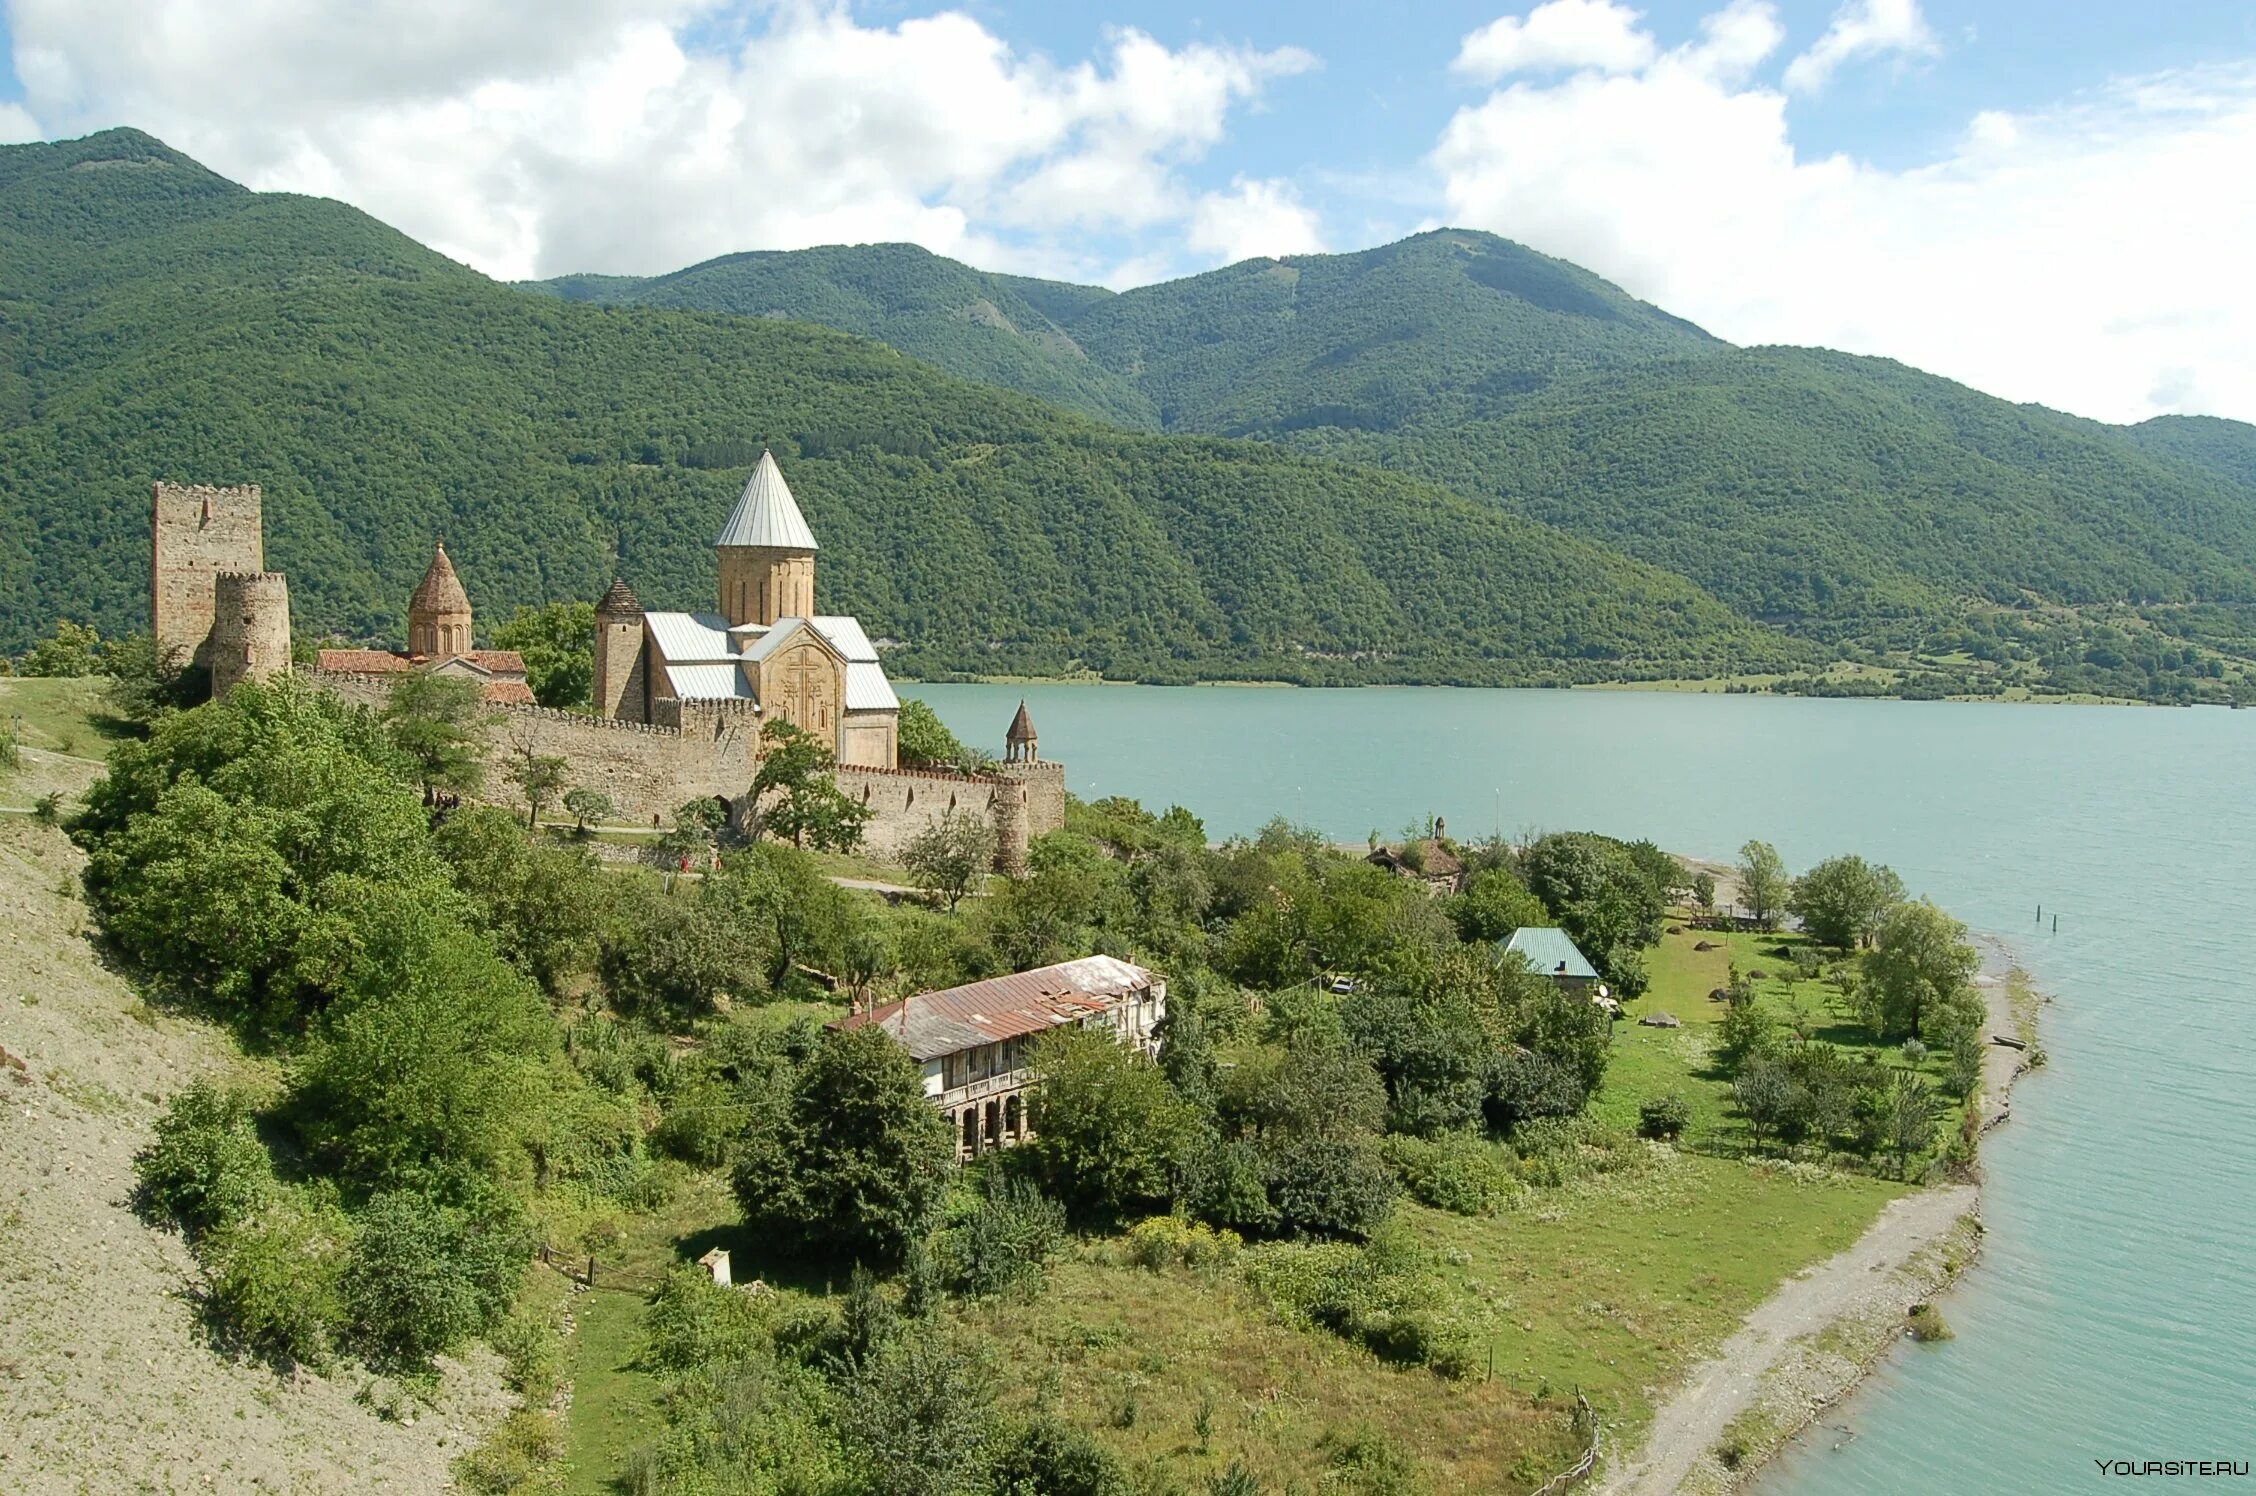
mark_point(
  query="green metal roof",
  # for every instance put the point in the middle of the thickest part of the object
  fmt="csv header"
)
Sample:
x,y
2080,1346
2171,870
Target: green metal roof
x,y
1545,947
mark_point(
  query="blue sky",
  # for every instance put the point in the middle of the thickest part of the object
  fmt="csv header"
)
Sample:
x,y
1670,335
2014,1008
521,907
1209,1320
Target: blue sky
x,y
2051,201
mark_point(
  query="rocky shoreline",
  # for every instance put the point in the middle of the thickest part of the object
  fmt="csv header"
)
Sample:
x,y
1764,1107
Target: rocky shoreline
x,y
1823,1332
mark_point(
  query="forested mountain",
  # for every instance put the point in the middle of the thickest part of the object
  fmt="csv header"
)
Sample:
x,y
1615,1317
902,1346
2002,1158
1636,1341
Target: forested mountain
x,y
1854,501
967,321
2226,448
157,321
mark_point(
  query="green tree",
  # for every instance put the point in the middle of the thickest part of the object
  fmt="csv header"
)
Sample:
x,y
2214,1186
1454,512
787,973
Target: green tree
x,y
674,957
926,742
72,649
558,643
919,1420
1765,1093
1911,1115
951,856
425,1276
1704,889
1606,899
1493,905
585,805
441,723
206,1167
538,776
543,907
1764,887
1109,1132
857,1160
1842,900
1922,969
795,796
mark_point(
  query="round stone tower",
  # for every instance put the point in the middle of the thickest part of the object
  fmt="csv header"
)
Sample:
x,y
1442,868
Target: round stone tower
x,y
1007,807
250,634
438,616
621,688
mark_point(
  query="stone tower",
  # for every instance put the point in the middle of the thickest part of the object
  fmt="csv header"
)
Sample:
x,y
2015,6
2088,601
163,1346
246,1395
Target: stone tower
x,y
622,685
199,532
1020,744
767,553
1006,806
438,616
250,628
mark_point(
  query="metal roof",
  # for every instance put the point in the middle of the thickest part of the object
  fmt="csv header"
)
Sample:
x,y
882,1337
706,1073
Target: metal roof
x,y
867,689
766,514
709,682
1029,1002
688,637
846,636
1545,947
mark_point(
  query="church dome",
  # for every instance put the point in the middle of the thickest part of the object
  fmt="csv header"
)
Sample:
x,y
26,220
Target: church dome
x,y
441,590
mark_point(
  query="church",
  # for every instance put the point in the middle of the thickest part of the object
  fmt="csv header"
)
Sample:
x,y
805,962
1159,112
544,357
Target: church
x,y
765,646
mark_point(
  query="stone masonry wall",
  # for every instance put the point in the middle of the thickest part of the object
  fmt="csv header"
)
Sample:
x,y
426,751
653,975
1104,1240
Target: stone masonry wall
x,y
903,802
197,533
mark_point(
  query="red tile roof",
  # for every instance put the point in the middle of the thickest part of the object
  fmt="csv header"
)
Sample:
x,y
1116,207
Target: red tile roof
x,y
509,693
500,662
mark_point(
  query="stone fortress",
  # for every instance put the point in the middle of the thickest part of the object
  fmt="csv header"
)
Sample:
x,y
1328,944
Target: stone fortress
x,y
679,697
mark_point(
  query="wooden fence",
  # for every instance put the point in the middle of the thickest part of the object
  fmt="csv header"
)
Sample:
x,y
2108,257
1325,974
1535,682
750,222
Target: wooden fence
x,y
1580,1469
583,1269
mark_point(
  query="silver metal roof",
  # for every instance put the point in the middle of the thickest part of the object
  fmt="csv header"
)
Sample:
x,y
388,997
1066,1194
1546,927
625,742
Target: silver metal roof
x,y
867,689
766,514
846,636
709,682
688,637
933,1024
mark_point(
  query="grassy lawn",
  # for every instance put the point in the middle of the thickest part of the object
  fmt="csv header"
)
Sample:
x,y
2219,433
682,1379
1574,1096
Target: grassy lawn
x,y
1616,1285
1650,1062
62,714
1136,1355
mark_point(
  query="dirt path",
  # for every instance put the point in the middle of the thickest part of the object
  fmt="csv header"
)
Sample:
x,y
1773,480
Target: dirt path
x,y
1870,1276
107,1381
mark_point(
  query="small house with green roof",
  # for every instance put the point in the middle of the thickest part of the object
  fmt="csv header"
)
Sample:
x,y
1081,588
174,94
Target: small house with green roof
x,y
1548,949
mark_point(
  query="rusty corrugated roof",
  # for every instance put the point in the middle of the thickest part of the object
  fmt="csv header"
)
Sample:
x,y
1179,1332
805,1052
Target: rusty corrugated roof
x,y
932,1024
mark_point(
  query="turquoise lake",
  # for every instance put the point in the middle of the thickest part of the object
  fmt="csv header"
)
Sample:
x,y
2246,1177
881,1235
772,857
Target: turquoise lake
x,y
2114,1313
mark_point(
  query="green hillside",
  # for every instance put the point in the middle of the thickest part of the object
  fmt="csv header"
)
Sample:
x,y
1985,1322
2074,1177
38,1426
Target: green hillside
x,y
1878,511
967,321
2224,448
160,322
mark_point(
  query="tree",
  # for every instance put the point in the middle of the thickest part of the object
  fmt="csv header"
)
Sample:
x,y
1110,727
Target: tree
x,y
425,1276
1493,905
857,1162
1910,1116
795,796
585,804
73,649
537,776
441,723
950,856
1109,1132
558,643
919,1419
1921,971
1842,900
1765,1093
926,742
206,1166
1764,886
541,906
1704,889
1606,899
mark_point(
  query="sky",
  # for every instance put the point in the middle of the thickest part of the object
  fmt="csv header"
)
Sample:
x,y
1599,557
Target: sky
x,y
2051,201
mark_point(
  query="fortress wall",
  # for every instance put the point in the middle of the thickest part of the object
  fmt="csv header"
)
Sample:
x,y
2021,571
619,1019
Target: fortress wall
x,y
1044,782
250,628
645,770
903,802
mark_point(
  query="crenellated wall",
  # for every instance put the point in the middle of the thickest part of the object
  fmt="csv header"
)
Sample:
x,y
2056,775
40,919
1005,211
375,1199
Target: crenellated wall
x,y
250,628
197,532
903,802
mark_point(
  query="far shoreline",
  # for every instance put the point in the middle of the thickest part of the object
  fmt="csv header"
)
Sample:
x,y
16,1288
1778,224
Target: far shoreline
x,y
1712,686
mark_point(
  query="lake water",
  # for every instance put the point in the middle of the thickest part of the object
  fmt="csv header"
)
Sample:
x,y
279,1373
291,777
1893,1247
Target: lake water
x,y
2114,1313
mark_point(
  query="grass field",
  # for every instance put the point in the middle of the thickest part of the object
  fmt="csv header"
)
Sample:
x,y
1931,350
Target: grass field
x,y
1651,1062
62,714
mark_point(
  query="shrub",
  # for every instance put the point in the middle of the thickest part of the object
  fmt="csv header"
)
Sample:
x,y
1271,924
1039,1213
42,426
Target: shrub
x,y
1386,1296
1462,1175
1007,1241
425,1276
693,1324
206,1168
1053,1458
1366,1461
1171,1241
276,1278
1329,1186
1927,1324
1664,1117
519,1457
918,1419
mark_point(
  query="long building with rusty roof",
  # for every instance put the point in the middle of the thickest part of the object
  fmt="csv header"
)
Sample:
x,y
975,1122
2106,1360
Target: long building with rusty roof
x,y
975,1042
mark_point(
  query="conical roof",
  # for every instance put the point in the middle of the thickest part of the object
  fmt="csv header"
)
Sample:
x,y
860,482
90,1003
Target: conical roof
x,y
620,601
441,590
1021,728
766,514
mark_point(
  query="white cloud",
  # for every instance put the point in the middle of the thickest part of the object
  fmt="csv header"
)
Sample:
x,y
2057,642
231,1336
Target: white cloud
x,y
617,135
17,125
1254,218
1862,28
1570,34
2091,256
